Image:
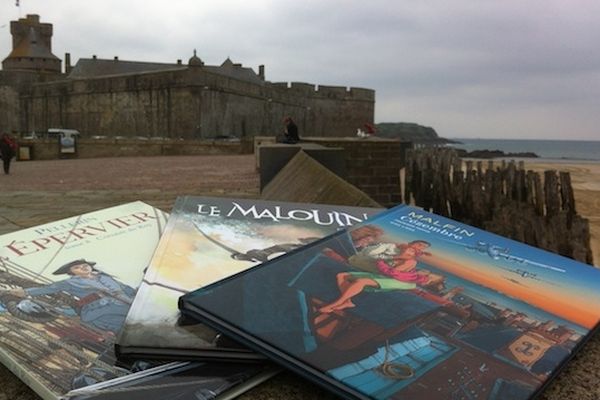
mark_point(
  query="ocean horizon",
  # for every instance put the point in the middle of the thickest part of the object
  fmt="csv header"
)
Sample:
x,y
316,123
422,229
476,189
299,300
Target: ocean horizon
x,y
546,150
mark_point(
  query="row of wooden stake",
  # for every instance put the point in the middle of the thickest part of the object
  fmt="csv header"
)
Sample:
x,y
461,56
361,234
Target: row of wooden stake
x,y
506,199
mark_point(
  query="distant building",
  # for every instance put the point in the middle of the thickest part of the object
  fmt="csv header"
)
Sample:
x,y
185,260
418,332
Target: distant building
x,y
32,47
112,97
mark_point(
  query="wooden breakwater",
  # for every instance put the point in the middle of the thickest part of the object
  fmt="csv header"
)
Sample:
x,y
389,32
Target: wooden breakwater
x,y
503,198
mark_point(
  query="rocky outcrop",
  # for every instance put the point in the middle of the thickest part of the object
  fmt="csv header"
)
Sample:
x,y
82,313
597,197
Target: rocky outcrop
x,y
410,132
487,154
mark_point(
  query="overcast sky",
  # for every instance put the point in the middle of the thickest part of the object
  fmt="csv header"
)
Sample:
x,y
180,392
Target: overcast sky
x,y
468,68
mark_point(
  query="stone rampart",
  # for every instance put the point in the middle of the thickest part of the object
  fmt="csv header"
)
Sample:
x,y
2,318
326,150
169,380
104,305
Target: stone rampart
x,y
192,103
330,92
49,149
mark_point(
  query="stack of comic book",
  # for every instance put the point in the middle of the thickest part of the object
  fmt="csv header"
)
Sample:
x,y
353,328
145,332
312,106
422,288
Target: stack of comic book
x,y
208,302
73,289
410,305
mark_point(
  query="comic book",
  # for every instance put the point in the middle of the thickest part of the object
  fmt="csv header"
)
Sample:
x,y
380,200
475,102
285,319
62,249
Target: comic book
x,y
207,239
411,305
181,381
65,289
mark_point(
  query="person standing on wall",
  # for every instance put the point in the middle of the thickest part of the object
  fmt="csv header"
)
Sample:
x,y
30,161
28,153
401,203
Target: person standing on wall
x,y
291,131
8,149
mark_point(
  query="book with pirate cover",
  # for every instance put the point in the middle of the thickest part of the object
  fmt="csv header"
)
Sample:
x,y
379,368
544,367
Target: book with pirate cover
x,y
65,289
207,239
411,305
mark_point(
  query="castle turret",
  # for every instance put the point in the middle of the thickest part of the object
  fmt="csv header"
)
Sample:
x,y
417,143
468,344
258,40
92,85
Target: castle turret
x,y
32,46
195,61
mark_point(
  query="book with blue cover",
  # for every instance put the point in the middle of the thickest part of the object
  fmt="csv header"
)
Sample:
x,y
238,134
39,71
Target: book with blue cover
x,y
411,305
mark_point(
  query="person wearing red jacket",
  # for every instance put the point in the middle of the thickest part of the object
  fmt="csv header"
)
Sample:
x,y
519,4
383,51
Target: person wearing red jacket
x,y
8,149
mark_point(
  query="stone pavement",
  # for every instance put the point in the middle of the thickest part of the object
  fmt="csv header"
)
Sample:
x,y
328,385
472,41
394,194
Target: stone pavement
x,y
42,191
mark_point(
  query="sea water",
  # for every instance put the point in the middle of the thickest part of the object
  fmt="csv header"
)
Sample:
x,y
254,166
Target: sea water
x,y
577,150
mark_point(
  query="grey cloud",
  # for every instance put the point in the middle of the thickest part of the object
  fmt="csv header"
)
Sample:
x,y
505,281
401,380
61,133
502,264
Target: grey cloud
x,y
464,65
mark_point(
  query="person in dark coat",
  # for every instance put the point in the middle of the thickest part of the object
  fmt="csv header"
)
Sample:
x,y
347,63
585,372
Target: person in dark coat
x,y
291,131
7,151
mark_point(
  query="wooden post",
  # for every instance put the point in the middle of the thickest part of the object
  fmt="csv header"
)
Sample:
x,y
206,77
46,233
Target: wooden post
x,y
507,200
456,198
510,181
551,193
566,193
469,170
408,175
539,196
530,190
520,186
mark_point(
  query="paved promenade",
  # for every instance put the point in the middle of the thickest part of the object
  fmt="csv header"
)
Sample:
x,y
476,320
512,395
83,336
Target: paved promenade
x,y
42,191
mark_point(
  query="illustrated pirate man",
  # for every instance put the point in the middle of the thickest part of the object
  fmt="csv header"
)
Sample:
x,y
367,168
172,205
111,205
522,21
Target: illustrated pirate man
x,y
101,301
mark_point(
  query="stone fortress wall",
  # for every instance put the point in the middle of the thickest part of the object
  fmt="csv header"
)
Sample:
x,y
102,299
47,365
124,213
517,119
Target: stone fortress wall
x,y
192,104
11,83
177,101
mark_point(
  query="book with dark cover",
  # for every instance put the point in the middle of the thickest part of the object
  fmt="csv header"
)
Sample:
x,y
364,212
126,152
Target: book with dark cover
x,y
411,305
207,239
181,381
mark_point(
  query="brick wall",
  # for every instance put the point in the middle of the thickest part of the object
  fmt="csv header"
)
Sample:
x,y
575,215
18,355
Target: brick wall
x,y
373,165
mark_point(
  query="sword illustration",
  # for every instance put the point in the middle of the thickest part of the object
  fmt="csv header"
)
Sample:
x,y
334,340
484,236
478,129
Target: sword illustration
x,y
236,255
212,240
165,286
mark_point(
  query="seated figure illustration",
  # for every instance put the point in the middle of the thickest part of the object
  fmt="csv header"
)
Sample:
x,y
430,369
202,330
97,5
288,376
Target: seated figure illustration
x,y
346,284
395,272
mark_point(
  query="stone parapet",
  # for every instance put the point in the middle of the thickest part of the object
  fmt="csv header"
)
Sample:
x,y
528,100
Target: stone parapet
x,y
49,149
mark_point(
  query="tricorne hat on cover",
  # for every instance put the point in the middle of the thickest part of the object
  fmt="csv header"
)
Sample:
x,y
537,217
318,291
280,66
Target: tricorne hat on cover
x,y
67,267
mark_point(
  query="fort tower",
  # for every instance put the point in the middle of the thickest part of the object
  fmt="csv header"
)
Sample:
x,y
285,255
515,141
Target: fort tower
x,y
31,46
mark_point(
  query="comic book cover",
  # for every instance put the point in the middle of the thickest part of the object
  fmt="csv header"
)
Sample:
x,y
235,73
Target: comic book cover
x,y
65,289
410,305
206,240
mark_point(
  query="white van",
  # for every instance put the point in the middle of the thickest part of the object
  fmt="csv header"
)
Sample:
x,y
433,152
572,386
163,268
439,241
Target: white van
x,y
66,138
63,133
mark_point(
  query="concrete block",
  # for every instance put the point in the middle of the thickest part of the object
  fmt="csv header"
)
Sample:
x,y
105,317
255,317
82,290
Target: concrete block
x,y
306,180
273,157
